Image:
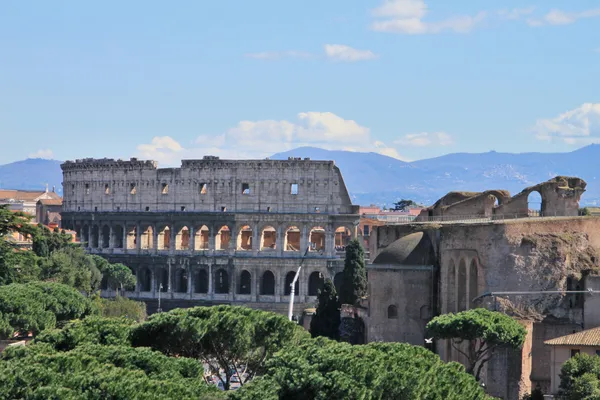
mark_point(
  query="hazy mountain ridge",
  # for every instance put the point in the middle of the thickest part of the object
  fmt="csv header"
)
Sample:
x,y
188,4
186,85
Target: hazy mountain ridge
x,y
375,178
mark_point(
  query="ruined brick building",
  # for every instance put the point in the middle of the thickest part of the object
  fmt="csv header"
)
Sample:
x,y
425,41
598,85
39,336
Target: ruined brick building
x,y
214,231
468,244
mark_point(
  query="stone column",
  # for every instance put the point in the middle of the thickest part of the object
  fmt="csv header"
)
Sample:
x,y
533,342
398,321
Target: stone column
x,y
211,238
232,283
329,241
303,239
278,285
154,239
138,238
279,240
255,239
210,281
111,237
192,241
153,279
169,278
172,239
190,285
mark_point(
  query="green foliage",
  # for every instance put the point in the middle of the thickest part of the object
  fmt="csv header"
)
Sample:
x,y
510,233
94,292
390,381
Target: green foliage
x,y
91,330
224,337
118,276
14,222
324,369
580,377
486,330
585,211
36,306
46,242
354,282
72,266
17,266
100,372
122,307
326,321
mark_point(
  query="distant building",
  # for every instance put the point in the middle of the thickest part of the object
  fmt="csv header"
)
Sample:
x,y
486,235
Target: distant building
x,y
25,200
48,212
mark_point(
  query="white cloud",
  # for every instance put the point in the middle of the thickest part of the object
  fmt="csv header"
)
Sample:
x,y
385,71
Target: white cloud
x,y
581,125
340,52
516,13
260,139
43,153
406,16
558,17
275,55
425,139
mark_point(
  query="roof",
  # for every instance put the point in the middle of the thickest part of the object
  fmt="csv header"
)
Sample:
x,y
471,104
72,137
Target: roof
x,y
26,195
589,337
51,202
413,249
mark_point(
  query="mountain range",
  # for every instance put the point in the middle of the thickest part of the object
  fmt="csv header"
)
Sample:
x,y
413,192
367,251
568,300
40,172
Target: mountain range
x,y
373,178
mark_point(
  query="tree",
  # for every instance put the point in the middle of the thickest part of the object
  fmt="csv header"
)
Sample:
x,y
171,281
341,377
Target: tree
x,y
72,266
580,377
354,282
11,221
403,204
324,369
118,276
45,242
326,321
236,340
484,330
122,307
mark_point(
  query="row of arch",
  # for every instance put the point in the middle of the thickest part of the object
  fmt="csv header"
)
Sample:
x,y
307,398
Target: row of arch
x,y
463,285
185,281
186,238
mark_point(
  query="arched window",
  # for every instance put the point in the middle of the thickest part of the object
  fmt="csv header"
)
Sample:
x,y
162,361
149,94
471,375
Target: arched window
x,y
462,285
472,284
292,239
105,236
201,284
145,280
221,282
162,278
244,240
392,312
315,283
289,278
245,283
268,284
181,281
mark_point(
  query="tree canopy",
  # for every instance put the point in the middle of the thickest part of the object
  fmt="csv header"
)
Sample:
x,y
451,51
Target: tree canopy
x,y
580,378
403,204
354,282
326,321
324,369
485,330
237,340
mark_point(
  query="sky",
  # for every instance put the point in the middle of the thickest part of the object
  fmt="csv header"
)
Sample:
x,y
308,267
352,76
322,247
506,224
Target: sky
x,y
410,79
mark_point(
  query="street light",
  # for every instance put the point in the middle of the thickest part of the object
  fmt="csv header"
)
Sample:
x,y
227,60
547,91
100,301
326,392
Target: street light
x,y
293,285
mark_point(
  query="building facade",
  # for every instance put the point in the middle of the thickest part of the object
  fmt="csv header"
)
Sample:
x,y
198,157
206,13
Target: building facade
x,y
214,231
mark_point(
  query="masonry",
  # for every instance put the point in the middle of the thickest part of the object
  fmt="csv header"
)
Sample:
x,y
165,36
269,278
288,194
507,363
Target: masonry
x,y
214,231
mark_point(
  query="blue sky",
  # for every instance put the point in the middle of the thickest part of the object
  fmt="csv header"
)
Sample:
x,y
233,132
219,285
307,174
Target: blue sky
x,y
244,79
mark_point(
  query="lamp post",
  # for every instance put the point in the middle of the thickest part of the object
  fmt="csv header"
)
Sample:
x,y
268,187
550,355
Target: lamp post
x,y
293,285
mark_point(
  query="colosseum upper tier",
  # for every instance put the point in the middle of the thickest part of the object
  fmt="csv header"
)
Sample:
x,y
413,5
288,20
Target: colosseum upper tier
x,y
214,231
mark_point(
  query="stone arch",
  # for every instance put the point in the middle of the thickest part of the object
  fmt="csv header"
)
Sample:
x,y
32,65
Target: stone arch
x,y
202,238
267,286
245,285
162,278
164,238
392,312
343,236
462,286
118,236
182,238
85,235
338,280
289,278
147,237
473,283
221,281
130,237
105,236
315,283
201,283
95,237
244,238
317,238
144,279
222,238
291,238
535,203
451,291
268,238
181,280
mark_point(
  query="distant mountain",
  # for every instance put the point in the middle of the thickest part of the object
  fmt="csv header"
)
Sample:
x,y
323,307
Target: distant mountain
x,y
378,179
31,174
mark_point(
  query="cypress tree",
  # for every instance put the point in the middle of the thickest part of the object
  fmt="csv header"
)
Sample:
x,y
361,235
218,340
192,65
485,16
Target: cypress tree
x,y
354,282
326,321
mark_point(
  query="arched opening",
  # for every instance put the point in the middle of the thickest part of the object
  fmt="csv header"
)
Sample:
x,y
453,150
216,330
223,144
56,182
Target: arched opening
x,y
338,279
223,238
164,238
147,238
244,239
245,283
462,285
473,292
145,279
315,283
105,237
392,312
182,239
162,280
85,236
201,238
221,282
181,280
104,283
317,238
451,291
289,278
534,204
292,239
268,238
131,237
201,284
342,238
118,237
94,237
268,284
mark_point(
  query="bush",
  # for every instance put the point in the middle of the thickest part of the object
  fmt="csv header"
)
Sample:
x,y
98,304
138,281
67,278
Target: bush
x,y
122,307
580,377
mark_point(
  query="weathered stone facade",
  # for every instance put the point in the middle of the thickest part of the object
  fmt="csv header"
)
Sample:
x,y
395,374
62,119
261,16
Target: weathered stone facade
x,y
214,230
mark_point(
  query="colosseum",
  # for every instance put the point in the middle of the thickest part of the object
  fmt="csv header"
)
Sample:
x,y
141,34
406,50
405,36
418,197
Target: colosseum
x,y
214,231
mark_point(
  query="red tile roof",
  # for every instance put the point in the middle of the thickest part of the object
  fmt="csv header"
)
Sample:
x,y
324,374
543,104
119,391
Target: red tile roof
x,y
589,337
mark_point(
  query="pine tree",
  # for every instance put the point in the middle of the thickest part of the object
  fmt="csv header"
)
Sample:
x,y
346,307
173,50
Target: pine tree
x,y
354,282
326,321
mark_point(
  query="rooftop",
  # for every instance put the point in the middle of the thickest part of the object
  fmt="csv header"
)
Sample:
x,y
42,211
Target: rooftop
x,y
589,337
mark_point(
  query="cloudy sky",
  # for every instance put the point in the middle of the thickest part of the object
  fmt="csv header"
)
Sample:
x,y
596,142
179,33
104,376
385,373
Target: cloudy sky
x,y
244,79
